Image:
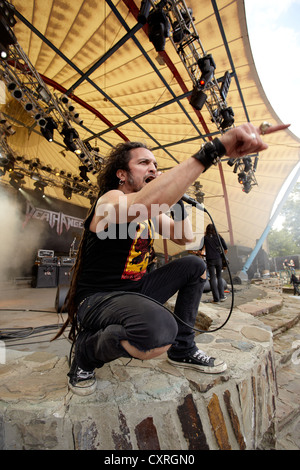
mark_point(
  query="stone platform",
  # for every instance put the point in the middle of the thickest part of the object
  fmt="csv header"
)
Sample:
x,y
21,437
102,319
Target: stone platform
x,y
148,405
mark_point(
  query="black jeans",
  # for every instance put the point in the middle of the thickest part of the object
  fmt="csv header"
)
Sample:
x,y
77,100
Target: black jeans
x,y
140,318
214,267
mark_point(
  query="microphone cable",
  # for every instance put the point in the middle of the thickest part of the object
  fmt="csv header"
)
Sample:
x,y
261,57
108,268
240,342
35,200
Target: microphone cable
x,y
201,207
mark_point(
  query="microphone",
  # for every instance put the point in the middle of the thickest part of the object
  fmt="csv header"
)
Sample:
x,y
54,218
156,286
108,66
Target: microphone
x,y
193,202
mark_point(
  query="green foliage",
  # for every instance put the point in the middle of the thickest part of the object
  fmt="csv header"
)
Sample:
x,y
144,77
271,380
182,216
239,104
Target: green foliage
x,y
286,241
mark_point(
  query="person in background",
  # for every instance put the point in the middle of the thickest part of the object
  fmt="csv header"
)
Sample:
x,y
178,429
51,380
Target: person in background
x,y
210,243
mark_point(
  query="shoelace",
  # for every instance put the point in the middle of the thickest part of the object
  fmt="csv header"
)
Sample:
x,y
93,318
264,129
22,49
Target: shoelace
x,y
201,356
84,374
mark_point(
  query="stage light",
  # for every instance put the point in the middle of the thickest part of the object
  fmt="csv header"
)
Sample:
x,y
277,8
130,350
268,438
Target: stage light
x,y
7,21
247,164
40,188
69,135
242,177
9,164
34,163
198,98
6,126
159,29
64,99
83,173
7,12
28,106
48,130
225,85
67,190
207,67
16,179
15,91
227,118
35,176
77,119
44,94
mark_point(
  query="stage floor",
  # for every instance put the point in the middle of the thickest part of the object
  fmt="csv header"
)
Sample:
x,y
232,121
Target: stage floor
x,y
29,320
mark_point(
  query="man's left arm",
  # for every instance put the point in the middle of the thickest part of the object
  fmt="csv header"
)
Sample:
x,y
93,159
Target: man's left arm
x,y
177,227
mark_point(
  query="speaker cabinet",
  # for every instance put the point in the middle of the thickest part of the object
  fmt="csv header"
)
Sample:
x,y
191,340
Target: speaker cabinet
x,y
44,276
64,275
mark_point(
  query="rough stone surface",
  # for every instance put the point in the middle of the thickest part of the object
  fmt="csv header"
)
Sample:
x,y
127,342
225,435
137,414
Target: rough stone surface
x,y
153,405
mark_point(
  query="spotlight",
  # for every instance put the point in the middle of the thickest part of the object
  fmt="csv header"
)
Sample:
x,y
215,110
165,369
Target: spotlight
x,y
245,180
83,173
227,116
28,107
144,11
7,12
48,130
247,187
7,21
198,98
34,163
207,67
75,117
180,32
3,52
16,92
44,94
67,190
225,85
16,179
64,99
247,164
40,188
6,126
242,177
159,29
8,163
69,135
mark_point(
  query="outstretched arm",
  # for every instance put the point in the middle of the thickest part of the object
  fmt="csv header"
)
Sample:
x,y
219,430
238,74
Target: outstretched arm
x,y
171,185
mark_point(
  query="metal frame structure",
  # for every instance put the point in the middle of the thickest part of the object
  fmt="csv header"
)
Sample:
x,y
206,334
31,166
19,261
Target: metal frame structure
x,y
190,50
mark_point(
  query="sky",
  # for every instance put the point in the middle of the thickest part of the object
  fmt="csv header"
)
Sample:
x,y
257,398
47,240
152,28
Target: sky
x,y
274,33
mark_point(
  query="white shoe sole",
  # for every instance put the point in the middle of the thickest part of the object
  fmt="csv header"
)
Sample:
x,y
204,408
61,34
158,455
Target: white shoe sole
x,y
83,389
217,369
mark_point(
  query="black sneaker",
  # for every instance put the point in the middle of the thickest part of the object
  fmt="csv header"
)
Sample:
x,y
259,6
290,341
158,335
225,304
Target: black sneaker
x,y
201,362
81,382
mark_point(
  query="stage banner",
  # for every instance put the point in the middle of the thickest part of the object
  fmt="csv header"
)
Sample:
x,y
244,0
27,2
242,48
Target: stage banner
x,y
60,223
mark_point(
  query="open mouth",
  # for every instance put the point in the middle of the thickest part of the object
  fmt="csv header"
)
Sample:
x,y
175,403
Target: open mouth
x,y
149,178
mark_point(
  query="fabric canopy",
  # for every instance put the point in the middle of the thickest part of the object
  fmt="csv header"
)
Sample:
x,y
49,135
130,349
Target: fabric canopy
x,y
118,89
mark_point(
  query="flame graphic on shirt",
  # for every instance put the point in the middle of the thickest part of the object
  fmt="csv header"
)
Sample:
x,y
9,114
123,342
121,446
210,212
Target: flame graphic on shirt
x,y
139,253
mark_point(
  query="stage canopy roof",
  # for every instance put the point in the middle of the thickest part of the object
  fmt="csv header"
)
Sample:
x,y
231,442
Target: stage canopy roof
x,y
99,54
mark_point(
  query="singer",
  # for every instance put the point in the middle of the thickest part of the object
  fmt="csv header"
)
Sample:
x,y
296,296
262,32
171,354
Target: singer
x,y
115,308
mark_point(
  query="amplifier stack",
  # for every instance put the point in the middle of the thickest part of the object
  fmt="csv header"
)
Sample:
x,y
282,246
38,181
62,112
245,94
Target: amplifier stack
x,y
50,270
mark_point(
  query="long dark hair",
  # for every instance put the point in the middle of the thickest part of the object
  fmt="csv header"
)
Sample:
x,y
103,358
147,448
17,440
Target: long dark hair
x,y
107,180
210,230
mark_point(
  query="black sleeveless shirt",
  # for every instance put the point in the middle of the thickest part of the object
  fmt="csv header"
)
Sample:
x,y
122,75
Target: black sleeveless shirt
x,y
115,259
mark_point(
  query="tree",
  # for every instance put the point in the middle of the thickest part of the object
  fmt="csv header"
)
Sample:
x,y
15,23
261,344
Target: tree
x,y
281,243
286,241
291,214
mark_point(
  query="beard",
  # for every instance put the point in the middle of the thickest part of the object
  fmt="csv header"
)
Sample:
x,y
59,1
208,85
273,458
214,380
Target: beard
x,y
134,186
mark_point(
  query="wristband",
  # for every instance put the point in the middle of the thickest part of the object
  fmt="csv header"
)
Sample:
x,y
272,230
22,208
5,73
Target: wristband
x,y
210,153
178,211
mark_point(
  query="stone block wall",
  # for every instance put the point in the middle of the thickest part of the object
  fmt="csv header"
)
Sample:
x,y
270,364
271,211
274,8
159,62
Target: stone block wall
x,y
147,405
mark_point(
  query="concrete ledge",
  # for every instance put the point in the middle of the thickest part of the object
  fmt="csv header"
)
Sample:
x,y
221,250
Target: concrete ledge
x,y
147,405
